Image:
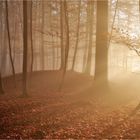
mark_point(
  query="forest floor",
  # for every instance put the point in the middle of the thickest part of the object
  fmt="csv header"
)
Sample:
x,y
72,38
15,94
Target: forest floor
x,y
77,112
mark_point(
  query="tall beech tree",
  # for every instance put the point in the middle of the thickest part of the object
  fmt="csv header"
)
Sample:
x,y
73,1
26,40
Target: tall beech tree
x,y
1,85
31,35
1,9
9,40
86,38
25,46
62,34
101,66
77,36
66,44
42,39
90,38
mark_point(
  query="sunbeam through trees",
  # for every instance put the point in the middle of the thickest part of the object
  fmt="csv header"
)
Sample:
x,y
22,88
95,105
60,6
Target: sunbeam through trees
x,y
69,69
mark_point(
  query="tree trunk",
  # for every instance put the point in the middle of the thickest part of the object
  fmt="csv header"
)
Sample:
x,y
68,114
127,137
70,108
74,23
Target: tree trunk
x,y
52,39
89,57
35,37
101,67
42,43
31,35
86,39
1,86
1,37
62,35
77,37
9,41
25,46
67,44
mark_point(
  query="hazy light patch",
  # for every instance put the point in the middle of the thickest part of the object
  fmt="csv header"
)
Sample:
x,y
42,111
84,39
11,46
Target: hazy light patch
x,y
122,60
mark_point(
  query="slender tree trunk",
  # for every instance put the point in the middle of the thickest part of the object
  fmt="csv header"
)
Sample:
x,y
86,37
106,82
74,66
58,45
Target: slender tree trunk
x,y
31,34
101,68
77,37
89,57
25,46
14,43
57,40
53,48
52,40
67,44
42,41
35,37
87,38
62,34
1,86
3,42
1,36
67,36
4,53
9,41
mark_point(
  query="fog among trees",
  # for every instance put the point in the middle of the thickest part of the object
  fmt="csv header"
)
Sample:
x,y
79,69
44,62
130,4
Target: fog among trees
x,y
69,69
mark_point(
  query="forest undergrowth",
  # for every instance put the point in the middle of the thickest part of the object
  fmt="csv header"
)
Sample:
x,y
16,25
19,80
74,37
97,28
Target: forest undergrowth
x,y
75,112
